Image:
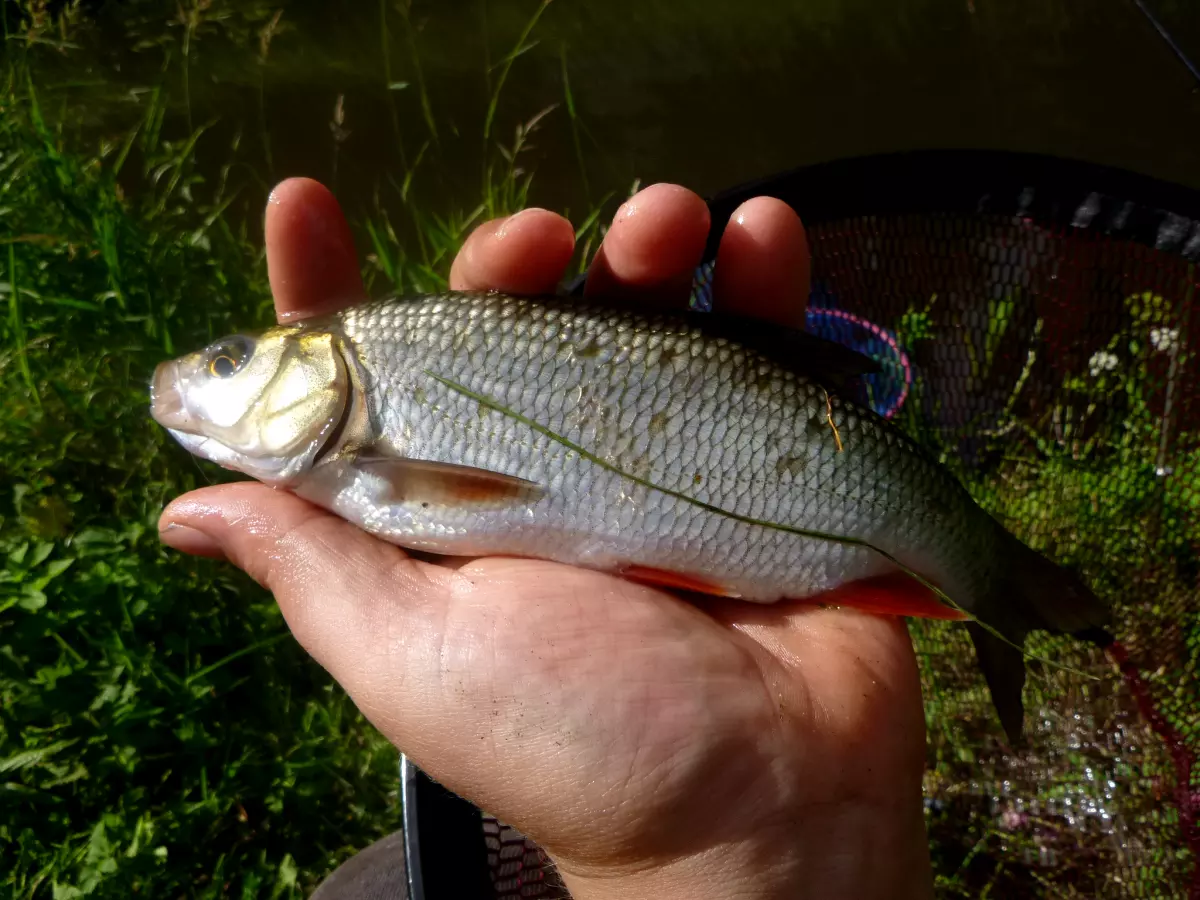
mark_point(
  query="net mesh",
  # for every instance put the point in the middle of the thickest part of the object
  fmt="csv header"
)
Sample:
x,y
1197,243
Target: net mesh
x,y
517,866
1036,327
1049,367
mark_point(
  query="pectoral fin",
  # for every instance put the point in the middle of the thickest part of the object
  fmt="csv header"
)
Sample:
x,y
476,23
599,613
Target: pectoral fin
x,y
446,484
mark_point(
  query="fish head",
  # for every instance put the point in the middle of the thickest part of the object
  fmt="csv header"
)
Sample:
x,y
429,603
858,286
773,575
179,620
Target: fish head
x,y
267,405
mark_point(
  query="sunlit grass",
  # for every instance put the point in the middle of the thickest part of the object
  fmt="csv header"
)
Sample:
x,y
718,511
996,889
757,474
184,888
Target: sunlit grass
x,y
160,733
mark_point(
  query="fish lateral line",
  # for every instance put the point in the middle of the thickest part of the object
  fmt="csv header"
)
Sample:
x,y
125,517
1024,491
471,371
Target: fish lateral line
x,y
800,532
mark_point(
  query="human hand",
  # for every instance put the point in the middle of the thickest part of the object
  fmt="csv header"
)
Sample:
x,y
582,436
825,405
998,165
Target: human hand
x,y
654,747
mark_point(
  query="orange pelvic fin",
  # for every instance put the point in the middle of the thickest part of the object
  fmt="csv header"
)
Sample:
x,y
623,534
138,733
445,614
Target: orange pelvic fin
x,y
676,580
894,594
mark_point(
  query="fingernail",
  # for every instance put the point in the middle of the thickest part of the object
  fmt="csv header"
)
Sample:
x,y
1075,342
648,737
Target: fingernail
x,y
502,231
190,540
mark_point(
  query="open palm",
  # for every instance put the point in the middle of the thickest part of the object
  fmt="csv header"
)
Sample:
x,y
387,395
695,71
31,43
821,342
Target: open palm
x,y
650,743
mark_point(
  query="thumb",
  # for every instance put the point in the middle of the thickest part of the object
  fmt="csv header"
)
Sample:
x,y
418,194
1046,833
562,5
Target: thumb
x,y
458,668
370,615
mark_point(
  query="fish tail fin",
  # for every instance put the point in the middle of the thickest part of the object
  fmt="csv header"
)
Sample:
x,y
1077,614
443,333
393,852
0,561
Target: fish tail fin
x,y
1032,594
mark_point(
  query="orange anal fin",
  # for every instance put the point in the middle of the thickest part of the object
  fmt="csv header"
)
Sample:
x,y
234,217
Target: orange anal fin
x,y
676,580
891,595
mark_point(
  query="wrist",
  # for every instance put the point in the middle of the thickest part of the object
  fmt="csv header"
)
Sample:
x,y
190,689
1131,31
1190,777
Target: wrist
x,y
860,851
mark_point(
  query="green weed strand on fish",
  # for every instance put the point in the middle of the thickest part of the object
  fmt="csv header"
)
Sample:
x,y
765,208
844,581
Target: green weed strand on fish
x,y
749,520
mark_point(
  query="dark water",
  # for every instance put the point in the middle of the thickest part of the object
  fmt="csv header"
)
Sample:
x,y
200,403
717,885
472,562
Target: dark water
x,y
708,93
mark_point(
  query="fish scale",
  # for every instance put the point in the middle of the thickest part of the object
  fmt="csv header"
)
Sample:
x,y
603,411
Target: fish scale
x,y
668,404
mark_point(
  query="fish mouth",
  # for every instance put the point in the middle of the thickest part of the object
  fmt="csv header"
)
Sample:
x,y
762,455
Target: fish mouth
x,y
166,399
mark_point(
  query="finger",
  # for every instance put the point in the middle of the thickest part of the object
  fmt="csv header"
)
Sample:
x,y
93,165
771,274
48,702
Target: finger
x,y
763,264
407,640
311,260
656,241
526,253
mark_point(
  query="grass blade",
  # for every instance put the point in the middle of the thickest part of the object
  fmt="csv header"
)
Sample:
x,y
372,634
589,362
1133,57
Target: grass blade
x,y
17,327
235,655
506,67
573,118
390,86
32,757
422,90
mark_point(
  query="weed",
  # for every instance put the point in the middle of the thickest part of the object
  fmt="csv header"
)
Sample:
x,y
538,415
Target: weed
x,y
160,733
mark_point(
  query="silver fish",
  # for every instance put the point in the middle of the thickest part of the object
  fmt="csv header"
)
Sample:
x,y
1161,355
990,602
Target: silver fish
x,y
650,445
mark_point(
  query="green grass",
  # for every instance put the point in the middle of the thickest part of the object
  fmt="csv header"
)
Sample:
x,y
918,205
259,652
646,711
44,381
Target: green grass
x,y
1075,478
160,733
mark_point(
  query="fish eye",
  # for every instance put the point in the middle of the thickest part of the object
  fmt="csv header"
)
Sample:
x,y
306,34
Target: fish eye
x,y
228,357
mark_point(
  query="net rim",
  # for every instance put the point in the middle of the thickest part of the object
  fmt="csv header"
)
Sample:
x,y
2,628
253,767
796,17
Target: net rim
x,y
1051,190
